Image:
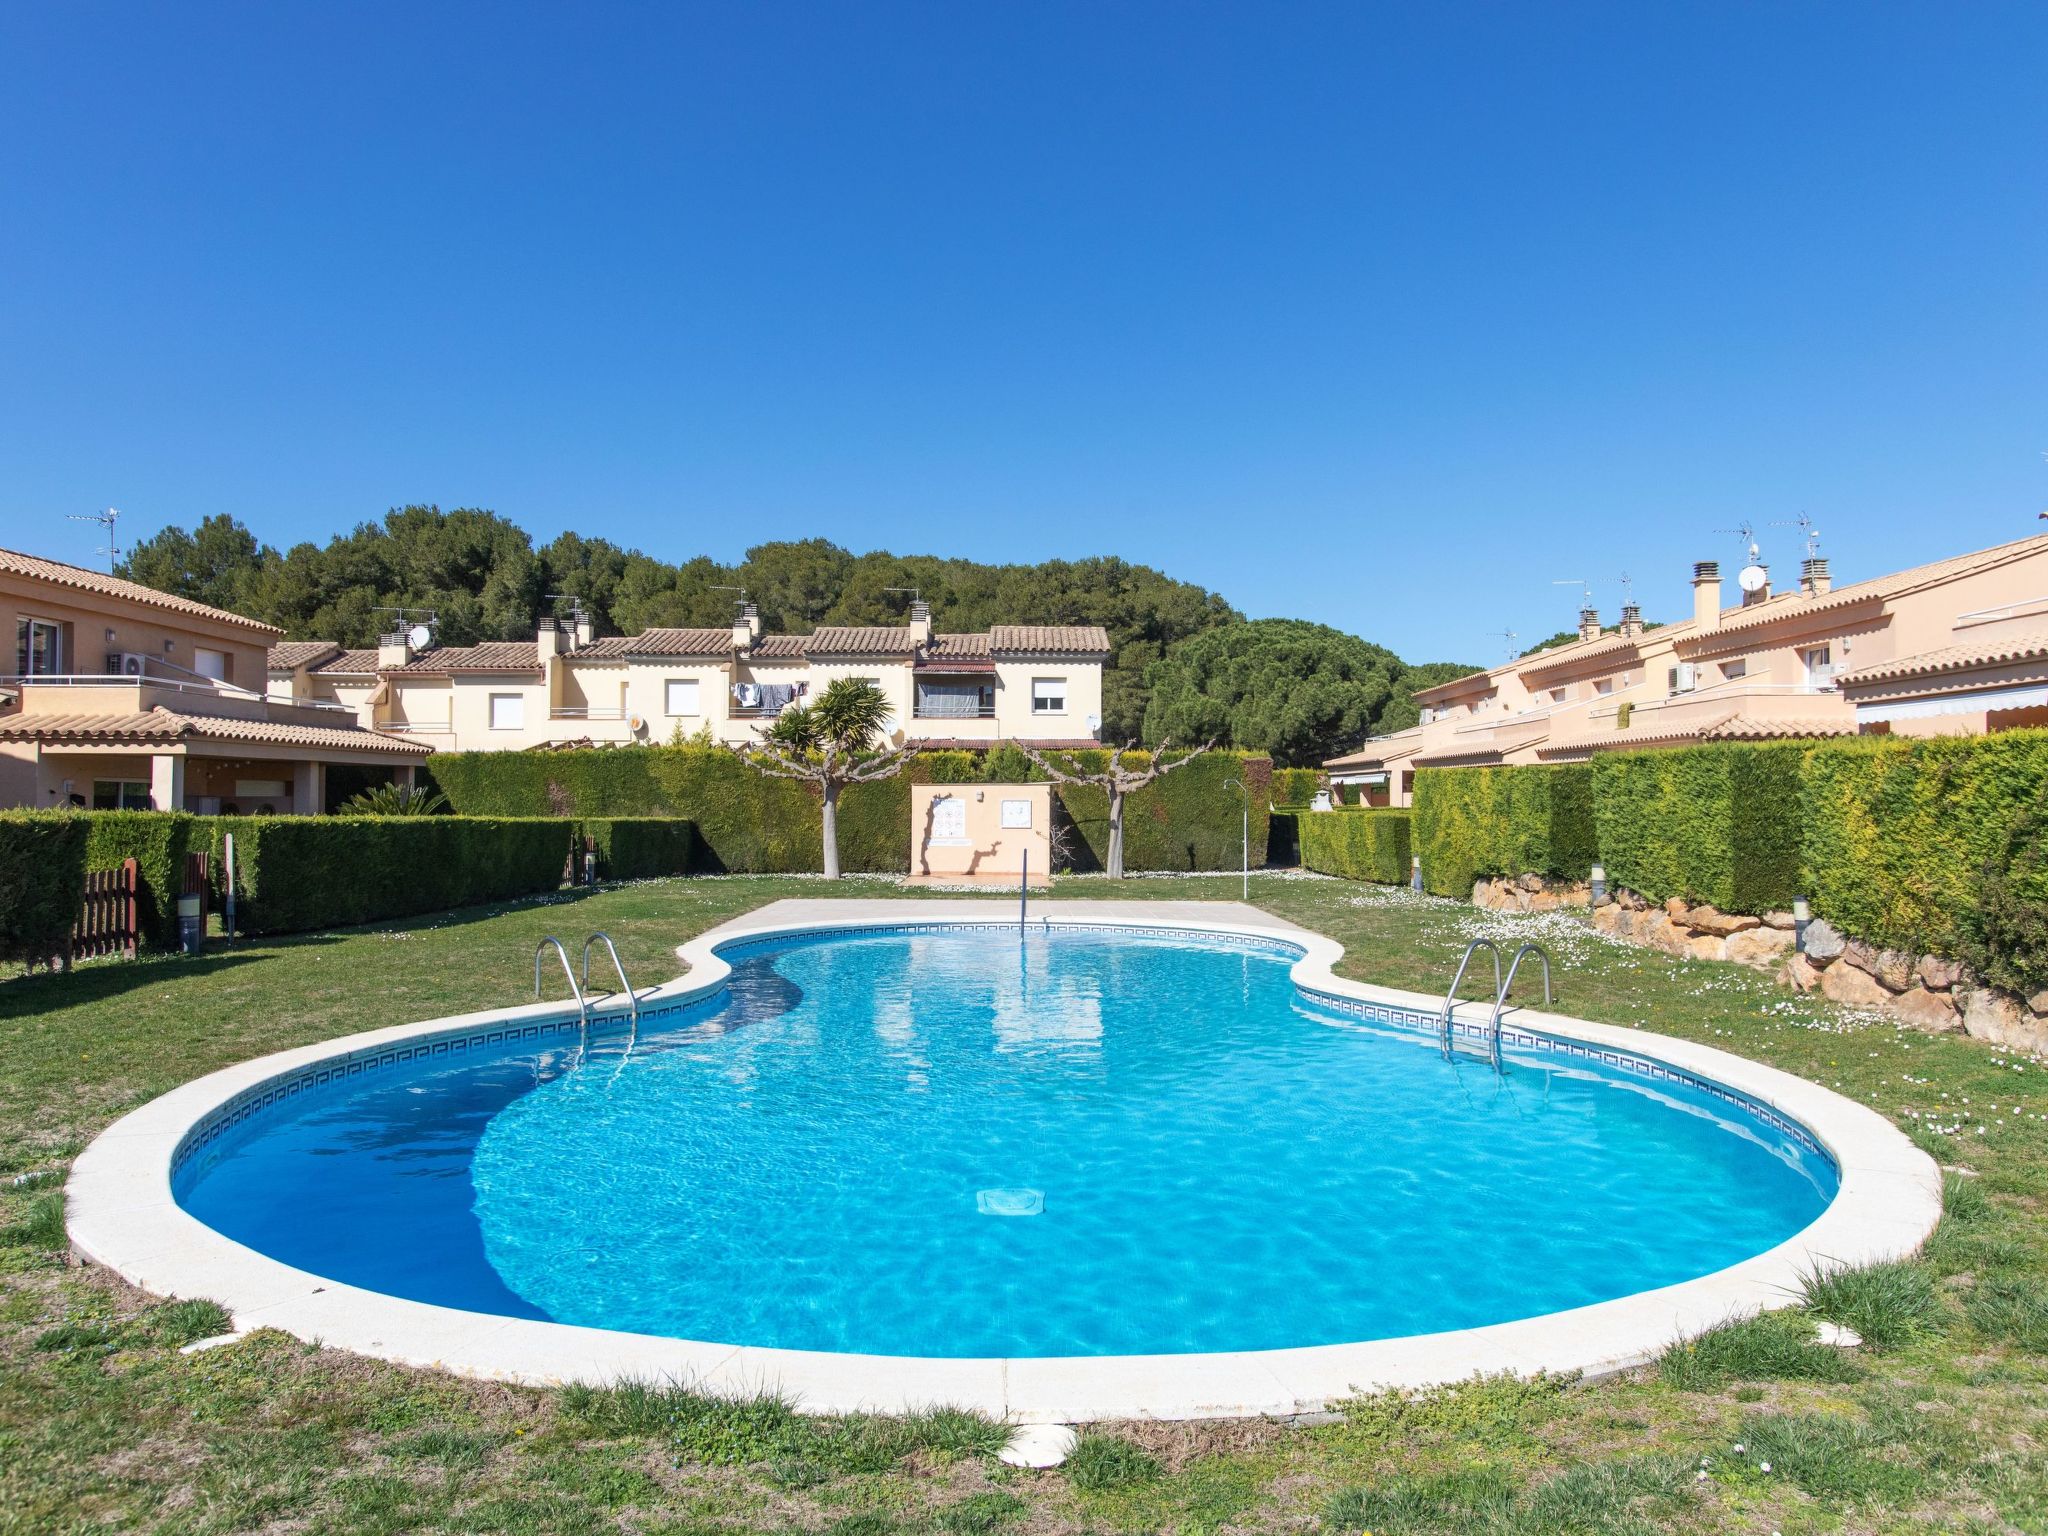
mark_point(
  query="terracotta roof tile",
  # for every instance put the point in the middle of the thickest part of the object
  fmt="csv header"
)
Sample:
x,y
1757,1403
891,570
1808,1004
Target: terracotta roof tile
x,y
957,647
491,656
162,724
780,647
1950,658
1559,657
864,640
710,644
1732,726
1049,639
78,578
287,655
350,662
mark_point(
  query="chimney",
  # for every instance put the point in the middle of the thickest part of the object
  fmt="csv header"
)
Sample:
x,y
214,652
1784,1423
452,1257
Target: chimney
x,y
1763,588
1589,623
1706,594
1631,621
1814,580
548,636
393,650
920,624
746,627
585,627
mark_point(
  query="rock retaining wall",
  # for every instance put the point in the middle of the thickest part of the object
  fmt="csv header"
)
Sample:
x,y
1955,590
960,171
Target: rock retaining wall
x,y
1926,992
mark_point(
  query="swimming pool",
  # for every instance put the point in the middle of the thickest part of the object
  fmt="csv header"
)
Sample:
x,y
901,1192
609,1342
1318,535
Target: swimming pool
x,y
1150,1167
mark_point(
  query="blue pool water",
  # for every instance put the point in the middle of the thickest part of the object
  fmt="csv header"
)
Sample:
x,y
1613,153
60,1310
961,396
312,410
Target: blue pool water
x,y
959,1143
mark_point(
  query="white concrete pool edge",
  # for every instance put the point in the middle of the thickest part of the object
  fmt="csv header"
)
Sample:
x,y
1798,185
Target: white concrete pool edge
x,y
122,1215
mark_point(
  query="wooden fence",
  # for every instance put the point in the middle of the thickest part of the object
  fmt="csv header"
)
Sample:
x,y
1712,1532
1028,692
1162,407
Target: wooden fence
x,y
107,923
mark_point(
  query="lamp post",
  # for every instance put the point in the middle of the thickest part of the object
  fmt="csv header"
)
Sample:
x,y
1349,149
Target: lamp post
x,y
1245,832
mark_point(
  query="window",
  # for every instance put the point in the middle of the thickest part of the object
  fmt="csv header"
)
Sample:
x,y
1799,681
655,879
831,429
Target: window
x,y
682,696
1603,686
213,664
949,819
1819,661
508,711
955,701
1559,695
1730,670
121,795
1048,696
38,647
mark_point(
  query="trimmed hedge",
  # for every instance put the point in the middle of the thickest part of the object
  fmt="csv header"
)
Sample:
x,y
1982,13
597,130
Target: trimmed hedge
x,y
1719,823
1473,822
1900,834
640,847
294,873
1359,845
158,842
1296,786
748,823
42,881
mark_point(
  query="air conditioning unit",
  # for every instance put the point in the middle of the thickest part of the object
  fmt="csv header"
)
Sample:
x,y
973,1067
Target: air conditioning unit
x,y
1684,677
127,664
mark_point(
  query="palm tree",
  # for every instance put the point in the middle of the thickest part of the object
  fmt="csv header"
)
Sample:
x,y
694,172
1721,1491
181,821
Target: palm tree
x,y
395,800
831,744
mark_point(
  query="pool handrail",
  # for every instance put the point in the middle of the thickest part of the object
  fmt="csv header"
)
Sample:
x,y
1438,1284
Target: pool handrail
x,y
1500,1002
582,1007
632,1001
1443,1021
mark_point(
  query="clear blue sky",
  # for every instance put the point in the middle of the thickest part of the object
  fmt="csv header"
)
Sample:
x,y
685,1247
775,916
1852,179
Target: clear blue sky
x,y
1378,315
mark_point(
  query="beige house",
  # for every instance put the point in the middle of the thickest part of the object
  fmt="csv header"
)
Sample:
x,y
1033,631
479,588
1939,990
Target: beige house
x,y
123,696
1958,645
1041,684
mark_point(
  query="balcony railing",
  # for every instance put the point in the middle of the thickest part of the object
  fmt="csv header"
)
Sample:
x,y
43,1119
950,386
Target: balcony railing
x,y
979,712
415,727
209,689
585,712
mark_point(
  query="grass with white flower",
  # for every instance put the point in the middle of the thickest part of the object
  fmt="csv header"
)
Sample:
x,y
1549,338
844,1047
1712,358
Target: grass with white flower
x,y
1938,1423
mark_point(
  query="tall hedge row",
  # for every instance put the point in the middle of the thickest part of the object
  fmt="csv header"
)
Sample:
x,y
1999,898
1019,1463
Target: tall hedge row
x,y
1901,835
640,847
158,842
1474,822
1358,845
42,881
295,873
747,823
1719,823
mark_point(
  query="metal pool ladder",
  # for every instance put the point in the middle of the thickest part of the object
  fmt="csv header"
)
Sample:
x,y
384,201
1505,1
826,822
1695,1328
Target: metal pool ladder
x,y
633,1002
1443,1018
1500,995
551,942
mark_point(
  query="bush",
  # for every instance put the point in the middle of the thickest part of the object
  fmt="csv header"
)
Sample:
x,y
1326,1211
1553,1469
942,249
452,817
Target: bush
x,y
1900,835
1888,1304
1188,820
1358,845
1719,823
1296,787
640,847
1474,822
157,841
42,882
1102,1462
294,873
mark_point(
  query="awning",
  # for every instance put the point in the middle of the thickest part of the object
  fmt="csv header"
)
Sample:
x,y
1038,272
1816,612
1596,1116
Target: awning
x,y
2023,696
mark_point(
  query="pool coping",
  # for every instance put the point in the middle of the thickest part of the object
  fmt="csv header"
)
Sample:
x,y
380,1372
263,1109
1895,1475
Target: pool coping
x,y
122,1215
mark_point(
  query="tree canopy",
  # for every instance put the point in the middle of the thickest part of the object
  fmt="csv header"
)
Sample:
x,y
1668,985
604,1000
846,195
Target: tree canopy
x,y
481,576
1298,691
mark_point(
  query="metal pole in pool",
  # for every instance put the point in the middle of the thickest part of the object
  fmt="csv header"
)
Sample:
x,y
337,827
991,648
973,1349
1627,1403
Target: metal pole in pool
x,y
1246,832
1023,891
227,860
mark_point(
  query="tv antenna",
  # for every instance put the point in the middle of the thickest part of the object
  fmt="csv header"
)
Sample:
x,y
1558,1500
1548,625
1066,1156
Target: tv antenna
x,y
575,603
916,594
1585,588
1806,531
1746,532
738,602
419,632
1510,637
1628,591
106,519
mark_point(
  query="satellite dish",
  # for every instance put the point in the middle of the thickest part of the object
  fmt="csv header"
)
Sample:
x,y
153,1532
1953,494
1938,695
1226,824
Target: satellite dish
x,y
1752,578
635,724
1094,723
419,637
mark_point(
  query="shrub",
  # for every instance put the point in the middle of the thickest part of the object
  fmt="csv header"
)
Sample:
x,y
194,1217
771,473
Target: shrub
x,y
1296,787
1900,834
42,881
1775,1346
1888,1304
640,847
294,873
1358,845
1102,1462
157,841
1473,822
1188,820
1718,823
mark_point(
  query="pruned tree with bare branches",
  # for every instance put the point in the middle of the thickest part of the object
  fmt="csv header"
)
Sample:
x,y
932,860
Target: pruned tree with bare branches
x,y
831,744
1118,782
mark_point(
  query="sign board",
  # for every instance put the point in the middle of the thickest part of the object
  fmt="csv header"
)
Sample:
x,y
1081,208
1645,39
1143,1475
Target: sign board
x,y
1016,813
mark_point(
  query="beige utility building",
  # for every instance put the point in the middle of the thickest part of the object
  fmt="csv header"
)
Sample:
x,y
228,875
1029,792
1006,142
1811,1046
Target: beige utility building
x,y
986,834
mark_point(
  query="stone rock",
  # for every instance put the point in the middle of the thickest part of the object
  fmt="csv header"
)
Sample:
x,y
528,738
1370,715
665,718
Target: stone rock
x,y
1706,946
1801,975
2038,1003
1676,909
1632,900
1482,893
2000,1019
1824,941
1577,896
1542,901
1894,969
1711,920
1934,1012
1762,948
1937,974
1861,955
1854,986
1608,919
1531,882
1836,1335
1784,920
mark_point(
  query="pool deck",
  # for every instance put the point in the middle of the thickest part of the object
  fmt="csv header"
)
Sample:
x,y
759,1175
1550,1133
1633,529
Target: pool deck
x,y
122,1215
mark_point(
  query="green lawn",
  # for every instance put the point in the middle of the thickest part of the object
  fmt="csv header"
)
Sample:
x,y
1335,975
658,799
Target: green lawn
x,y
103,1425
